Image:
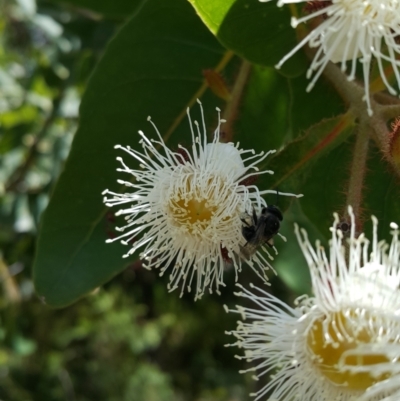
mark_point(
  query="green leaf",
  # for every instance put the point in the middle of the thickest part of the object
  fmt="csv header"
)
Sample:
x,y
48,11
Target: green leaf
x,y
382,194
114,8
276,109
154,65
259,32
299,156
290,263
263,121
324,185
212,12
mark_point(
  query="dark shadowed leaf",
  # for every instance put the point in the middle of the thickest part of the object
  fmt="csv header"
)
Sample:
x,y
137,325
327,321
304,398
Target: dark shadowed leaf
x,y
153,66
113,9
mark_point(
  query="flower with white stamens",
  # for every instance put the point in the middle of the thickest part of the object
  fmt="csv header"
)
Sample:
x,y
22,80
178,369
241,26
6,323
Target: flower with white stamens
x,y
185,208
341,344
351,30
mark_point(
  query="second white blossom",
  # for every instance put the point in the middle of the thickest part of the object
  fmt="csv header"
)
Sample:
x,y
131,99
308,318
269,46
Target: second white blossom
x,y
351,30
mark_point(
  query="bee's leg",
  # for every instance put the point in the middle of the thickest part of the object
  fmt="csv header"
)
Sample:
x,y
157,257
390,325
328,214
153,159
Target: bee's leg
x,y
245,222
254,216
270,243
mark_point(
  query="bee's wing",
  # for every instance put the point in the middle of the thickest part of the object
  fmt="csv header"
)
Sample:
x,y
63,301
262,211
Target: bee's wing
x,y
247,251
259,237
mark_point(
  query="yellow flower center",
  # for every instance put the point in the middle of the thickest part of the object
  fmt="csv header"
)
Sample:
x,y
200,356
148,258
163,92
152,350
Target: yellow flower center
x,y
328,342
196,204
195,210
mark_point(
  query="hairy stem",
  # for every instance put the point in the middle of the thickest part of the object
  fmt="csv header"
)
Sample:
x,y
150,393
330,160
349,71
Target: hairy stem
x,y
358,168
385,98
350,91
232,105
353,94
380,134
389,111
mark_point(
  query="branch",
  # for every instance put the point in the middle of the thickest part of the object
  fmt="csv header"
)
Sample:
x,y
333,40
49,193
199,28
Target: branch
x,y
19,174
236,95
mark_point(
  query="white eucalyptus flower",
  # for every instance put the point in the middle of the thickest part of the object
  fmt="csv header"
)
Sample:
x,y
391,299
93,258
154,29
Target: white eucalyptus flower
x,y
343,343
349,30
185,207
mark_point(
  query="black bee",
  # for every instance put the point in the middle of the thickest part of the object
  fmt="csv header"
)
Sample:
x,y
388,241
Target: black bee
x,y
261,230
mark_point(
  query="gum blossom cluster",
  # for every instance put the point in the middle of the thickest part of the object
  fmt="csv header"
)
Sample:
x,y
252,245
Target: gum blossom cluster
x,y
184,208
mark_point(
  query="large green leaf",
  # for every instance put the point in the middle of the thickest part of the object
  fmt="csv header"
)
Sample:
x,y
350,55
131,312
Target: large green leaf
x,y
259,32
154,65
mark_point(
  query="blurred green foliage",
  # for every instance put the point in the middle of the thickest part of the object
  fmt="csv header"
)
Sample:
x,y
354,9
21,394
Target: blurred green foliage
x,y
128,341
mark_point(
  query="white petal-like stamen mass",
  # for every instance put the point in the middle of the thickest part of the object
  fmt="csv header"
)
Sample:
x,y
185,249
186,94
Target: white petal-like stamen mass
x,y
185,208
341,344
352,30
